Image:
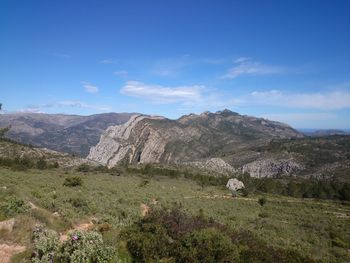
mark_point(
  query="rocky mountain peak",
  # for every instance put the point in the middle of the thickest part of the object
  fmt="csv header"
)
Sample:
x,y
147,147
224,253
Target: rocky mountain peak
x,y
191,138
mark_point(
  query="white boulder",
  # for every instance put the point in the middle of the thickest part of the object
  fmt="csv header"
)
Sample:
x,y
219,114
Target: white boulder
x,y
234,184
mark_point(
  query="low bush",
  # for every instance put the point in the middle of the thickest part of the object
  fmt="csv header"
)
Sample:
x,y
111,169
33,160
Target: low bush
x,y
208,245
14,206
262,201
41,164
170,235
80,247
73,181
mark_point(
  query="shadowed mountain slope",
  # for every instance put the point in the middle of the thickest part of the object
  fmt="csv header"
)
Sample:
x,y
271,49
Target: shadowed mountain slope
x,y
67,133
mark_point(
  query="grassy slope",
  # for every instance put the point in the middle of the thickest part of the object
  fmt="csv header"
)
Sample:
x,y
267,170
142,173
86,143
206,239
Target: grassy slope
x,y
304,225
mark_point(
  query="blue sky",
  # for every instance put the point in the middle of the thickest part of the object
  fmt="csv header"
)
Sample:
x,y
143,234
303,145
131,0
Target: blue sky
x,y
284,60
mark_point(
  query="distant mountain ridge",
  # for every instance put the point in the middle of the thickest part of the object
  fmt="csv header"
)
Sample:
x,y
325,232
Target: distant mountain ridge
x,y
66,133
324,132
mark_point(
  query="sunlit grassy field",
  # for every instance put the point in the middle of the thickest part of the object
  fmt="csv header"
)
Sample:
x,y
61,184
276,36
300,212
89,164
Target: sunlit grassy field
x,y
320,229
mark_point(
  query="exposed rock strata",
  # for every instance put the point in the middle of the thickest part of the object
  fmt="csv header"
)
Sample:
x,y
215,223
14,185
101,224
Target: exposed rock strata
x,y
271,168
122,142
213,165
149,139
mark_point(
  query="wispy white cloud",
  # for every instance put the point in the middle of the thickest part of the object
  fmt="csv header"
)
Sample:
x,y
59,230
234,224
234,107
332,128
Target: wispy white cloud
x,y
89,87
331,100
109,61
162,94
79,104
30,109
42,108
318,120
173,66
121,73
247,66
297,117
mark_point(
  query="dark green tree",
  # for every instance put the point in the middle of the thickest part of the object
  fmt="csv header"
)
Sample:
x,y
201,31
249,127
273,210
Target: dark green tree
x,y
3,131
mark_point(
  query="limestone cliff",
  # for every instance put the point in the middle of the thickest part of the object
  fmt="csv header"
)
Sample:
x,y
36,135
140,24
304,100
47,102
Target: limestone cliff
x,y
149,139
271,168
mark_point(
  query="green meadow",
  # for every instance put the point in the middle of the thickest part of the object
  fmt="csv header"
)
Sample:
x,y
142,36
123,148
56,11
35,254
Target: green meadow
x,y
314,228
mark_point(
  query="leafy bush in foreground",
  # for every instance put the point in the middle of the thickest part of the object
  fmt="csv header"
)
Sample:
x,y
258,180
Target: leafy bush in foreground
x,y
173,236
80,247
14,206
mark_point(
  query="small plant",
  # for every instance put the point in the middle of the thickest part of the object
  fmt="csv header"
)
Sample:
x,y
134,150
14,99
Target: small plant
x,y
144,183
41,164
80,247
46,245
84,168
79,203
55,165
86,247
73,181
263,215
262,201
244,192
14,206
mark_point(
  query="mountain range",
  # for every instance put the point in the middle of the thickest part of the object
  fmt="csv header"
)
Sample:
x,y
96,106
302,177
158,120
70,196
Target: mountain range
x,y
222,142
66,133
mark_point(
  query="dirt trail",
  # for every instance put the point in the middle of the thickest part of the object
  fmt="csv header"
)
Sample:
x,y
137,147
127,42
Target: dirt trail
x,y
144,209
7,225
7,251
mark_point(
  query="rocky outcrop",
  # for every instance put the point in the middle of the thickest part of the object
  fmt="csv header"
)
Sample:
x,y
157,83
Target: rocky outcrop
x,y
149,139
213,165
271,168
234,184
126,142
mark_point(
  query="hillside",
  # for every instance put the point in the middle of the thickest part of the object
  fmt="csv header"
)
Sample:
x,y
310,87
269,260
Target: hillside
x,y
147,139
319,157
113,207
66,133
21,156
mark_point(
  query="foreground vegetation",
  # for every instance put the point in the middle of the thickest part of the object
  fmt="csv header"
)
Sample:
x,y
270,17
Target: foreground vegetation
x,y
115,201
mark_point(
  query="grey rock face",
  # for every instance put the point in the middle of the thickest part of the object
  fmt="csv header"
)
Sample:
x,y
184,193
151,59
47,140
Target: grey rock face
x,y
147,139
271,168
234,184
214,165
121,142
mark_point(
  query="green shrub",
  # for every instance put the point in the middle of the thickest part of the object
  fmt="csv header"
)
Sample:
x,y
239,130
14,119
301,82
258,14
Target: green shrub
x,y
41,164
263,215
208,245
144,183
79,203
84,168
262,201
14,206
80,247
46,245
244,192
73,181
173,236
